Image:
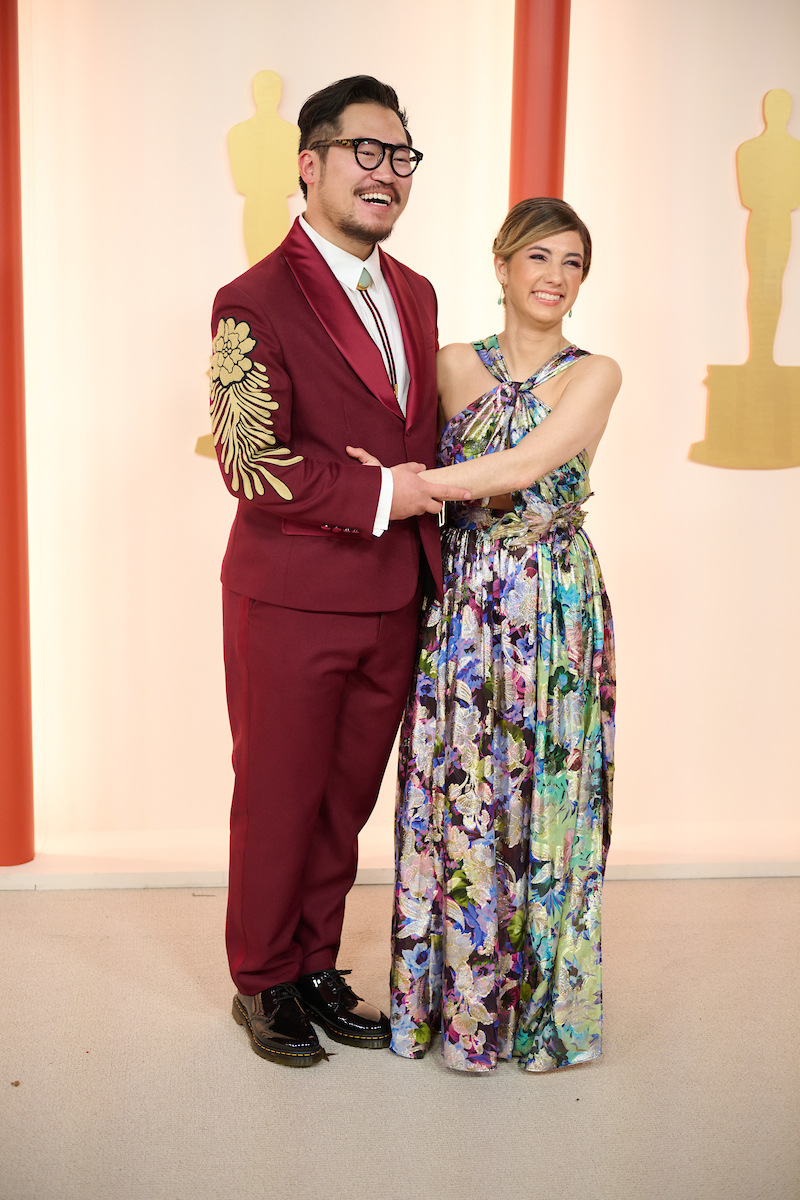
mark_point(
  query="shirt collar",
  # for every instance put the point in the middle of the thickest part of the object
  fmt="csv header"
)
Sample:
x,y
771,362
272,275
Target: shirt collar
x,y
346,267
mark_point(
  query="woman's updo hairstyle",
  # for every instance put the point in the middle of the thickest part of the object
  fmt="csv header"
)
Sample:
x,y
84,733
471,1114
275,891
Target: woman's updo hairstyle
x,y
537,218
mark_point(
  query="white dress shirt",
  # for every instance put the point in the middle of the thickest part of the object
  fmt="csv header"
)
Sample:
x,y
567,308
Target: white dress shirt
x,y
347,269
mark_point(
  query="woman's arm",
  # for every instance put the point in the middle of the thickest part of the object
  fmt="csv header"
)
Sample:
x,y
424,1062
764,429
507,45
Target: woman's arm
x,y
577,421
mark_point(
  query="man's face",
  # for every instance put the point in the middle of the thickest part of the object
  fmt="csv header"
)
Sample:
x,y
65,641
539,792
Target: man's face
x,y
352,207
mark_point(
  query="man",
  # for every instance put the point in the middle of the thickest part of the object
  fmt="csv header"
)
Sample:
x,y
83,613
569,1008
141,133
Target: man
x,y
326,342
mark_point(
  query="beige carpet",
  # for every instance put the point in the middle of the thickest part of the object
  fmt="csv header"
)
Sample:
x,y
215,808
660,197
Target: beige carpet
x,y
135,1083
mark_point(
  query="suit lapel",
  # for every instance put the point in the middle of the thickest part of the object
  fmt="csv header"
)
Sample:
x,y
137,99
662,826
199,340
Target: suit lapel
x,y
413,333
326,297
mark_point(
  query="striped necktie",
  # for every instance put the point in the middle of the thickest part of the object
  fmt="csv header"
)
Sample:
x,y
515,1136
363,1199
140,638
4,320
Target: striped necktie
x,y
363,285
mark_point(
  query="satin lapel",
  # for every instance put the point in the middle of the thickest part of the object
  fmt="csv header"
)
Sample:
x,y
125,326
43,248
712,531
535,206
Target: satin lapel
x,y
324,294
413,334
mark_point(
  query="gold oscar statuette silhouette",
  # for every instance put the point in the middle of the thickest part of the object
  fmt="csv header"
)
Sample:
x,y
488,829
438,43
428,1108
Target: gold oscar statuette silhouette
x,y
753,413
263,155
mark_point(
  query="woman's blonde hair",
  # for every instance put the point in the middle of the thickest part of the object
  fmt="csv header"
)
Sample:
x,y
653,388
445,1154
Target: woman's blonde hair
x,y
540,217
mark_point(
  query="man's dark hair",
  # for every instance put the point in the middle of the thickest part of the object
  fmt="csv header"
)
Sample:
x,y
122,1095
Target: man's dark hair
x,y
320,116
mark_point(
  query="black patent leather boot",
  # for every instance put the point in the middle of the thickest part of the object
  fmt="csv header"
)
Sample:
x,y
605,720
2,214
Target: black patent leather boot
x,y
332,1003
278,1027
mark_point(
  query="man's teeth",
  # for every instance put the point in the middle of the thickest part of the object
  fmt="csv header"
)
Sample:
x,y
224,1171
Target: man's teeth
x,y
376,198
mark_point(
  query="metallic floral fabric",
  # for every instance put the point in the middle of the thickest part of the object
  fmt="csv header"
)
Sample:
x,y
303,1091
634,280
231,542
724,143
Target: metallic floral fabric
x,y
241,414
506,765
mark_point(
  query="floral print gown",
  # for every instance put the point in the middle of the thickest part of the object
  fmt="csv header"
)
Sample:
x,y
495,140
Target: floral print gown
x,y
506,765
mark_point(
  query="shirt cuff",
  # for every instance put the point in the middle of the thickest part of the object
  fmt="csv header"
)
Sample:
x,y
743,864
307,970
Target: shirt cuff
x,y
384,503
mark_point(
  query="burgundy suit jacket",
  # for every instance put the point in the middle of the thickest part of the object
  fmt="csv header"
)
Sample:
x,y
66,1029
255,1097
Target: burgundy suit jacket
x,y
295,377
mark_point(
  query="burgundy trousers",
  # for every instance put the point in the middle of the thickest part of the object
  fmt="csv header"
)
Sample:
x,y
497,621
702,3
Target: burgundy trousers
x,y
314,702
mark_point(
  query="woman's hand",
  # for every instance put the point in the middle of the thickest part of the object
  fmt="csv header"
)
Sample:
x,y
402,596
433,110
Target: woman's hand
x,y
364,457
410,496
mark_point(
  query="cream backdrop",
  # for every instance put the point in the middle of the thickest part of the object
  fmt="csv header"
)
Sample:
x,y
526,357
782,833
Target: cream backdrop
x,y
131,223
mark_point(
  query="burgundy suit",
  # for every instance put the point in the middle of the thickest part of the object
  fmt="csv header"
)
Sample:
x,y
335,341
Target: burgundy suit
x,y
320,617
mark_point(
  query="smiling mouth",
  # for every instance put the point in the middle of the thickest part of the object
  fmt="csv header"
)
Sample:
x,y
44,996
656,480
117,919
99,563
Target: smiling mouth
x,y
377,199
548,297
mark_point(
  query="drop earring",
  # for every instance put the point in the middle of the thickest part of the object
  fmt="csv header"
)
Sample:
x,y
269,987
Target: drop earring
x,y
569,314
502,295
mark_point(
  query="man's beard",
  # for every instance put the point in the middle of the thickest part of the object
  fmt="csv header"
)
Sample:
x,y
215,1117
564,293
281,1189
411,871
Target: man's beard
x,y
361,233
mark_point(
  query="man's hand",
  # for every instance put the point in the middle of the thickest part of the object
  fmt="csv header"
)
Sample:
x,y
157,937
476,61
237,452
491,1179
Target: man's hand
x,y
413,496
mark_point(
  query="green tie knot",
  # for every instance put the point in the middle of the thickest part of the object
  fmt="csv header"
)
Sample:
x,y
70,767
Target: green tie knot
x,y
365,281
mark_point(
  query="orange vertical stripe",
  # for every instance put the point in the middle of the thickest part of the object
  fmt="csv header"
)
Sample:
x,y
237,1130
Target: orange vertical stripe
x,y
539,98
16,758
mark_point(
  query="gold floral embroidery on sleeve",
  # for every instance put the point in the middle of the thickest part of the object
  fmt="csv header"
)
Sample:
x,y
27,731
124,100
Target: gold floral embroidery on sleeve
x,y
240,414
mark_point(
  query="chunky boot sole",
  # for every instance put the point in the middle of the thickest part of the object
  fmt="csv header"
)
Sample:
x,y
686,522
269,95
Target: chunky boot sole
x,y
286,1058
365,1042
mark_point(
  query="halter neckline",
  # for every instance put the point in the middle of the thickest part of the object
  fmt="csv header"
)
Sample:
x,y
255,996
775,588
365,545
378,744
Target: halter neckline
x,y
491,356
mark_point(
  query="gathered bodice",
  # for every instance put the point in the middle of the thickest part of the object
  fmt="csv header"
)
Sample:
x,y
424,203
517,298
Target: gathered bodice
x,y
497,421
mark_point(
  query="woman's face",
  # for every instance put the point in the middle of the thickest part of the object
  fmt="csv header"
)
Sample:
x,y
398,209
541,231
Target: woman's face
x,y
542,279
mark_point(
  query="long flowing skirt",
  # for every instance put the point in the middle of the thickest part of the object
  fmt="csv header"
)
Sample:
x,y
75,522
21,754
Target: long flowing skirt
x,y
504,809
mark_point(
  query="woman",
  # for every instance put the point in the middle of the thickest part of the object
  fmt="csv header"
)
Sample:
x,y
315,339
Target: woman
x,y
504,805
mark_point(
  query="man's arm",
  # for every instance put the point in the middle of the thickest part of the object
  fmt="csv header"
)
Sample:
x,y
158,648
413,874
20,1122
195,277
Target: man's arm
x,y
251,417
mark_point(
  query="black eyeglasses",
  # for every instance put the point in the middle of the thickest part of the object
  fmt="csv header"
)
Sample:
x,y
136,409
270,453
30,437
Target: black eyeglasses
x,y
370,153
